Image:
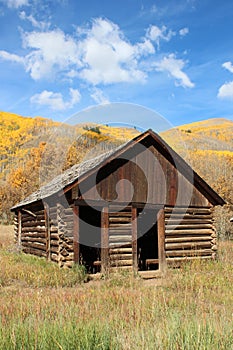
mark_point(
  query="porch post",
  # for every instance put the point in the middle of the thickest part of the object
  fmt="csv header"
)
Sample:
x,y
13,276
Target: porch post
x,y
76,234
104,239
47,231
134,239
161,240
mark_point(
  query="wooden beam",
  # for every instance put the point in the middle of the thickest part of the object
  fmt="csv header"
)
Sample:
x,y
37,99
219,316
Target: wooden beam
x,y
19,228
161,240
104,240
76,234
134,239
47,231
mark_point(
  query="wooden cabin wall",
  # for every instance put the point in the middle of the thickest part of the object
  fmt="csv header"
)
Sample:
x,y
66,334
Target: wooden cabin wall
x,y
151,179
189,234
65,225
31,233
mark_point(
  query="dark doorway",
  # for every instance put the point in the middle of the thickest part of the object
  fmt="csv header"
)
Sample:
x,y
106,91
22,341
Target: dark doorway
x,y
90,238
147,244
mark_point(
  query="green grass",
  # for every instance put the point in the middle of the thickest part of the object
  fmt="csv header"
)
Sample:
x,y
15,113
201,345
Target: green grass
x,y
44,307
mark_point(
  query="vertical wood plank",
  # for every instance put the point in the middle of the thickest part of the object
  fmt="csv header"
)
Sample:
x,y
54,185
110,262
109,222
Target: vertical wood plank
x,y
76,234
104,239
47,231
19,229
134,239
161,240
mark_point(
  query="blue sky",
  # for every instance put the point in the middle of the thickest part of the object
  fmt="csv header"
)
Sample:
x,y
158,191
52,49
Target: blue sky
x,y
173,57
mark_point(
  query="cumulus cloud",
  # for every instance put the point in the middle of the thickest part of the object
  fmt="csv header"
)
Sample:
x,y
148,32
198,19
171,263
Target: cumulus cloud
x,y
98,96
157,34
174,67
183,31
15,3
226,91
228,65
55,101
98,54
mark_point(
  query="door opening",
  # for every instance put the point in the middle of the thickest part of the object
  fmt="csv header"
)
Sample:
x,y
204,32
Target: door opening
x,y
147,243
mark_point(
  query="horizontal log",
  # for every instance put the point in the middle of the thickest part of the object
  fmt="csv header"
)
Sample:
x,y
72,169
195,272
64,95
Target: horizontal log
x,y
54,249
192,252
189,227
214,247
118,238
120,250
183,216
187,258
188,220
127,225
186,245
36,252
39,246
34,229
188,232
119,244
187,210
214,235
33,223
120,219
33,239
54,243
121,262
121,214
188,239
33,234
32,218
120,257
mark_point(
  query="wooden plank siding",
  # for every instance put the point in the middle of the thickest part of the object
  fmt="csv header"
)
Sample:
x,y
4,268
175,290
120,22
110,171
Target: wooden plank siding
x,y
151,176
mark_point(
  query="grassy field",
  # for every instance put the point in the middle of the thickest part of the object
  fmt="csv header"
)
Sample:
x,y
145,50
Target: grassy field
x,y
43,307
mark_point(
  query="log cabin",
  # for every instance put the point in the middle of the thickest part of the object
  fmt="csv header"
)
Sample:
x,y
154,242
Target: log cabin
x,y
139,207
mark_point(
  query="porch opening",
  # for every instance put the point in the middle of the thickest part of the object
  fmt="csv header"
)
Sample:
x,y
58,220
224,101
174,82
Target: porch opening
x,y
147,243
90,238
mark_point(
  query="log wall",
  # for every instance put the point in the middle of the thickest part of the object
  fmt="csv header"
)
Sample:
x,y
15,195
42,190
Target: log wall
x,y
32,237
189,234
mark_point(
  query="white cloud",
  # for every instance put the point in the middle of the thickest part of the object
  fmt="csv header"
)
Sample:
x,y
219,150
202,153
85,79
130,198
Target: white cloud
x,y
228,65
11,57
37,24
157,34
98,54
174,66
55,101
98,96
52,51
226,91
108,57
16,3
183,31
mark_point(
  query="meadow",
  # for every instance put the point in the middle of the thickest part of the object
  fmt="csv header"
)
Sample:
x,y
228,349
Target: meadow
x,y
44,307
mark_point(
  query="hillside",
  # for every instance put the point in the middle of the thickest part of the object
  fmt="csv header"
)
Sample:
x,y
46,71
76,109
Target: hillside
x,y
34,150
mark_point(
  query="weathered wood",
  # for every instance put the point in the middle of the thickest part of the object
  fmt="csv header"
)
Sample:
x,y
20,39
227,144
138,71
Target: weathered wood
x,y
32,251
134,239
192,252
19,228
161,240
104,240
122,250
191,245
188,232
34,229
189,227
35,245
121,262
33,239
76,238
120,238
188,239
47,231
175,260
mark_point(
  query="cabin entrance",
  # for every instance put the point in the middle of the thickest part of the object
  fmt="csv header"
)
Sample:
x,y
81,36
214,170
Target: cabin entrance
x,y
90,238
147,243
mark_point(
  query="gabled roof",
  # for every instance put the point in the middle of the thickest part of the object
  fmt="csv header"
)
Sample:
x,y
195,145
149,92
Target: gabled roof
x,y
79,172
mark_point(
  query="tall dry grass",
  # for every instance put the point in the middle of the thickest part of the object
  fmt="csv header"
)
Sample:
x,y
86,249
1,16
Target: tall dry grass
x,y
192,308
